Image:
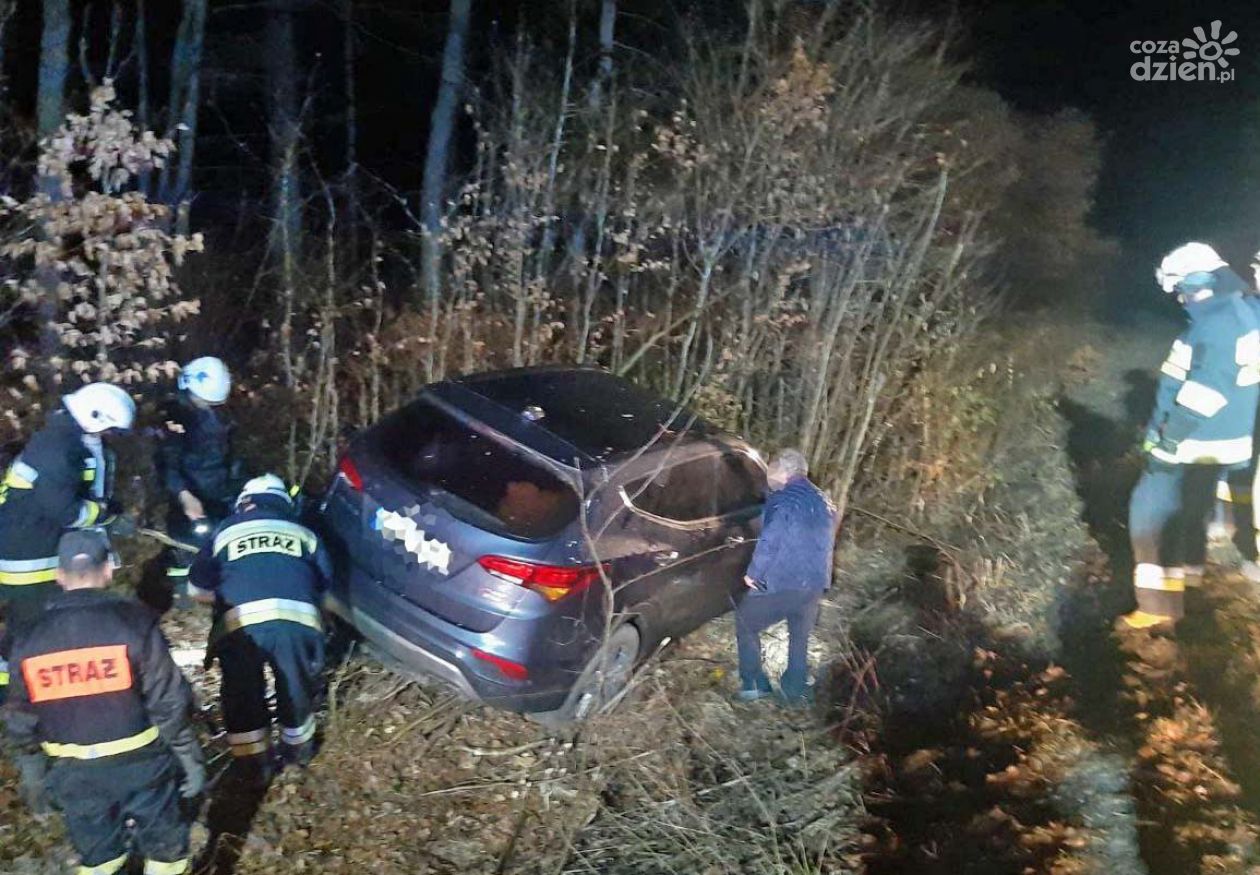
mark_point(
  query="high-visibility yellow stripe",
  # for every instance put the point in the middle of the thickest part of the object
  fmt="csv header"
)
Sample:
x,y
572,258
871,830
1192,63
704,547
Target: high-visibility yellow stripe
x,y
156,867
108,868
265,611
101,749
4,678
178,572
1203,400
89,512
1147,575
24,578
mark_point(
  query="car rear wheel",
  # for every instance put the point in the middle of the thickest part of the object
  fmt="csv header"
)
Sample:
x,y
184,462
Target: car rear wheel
x,y
602,681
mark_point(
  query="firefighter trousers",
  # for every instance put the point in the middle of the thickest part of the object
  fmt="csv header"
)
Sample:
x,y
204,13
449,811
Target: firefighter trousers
x,y
1168,519
97,798
296,655
1236,491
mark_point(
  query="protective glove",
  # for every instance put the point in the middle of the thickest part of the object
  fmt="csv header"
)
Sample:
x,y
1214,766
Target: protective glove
x,y
121,525
191,759
33,769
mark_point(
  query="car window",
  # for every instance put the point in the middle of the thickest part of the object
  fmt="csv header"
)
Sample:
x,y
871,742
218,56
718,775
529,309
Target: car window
x,y
684,492
741,484
513,493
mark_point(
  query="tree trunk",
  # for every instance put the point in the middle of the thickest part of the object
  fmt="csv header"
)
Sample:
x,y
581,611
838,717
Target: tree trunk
x,y
352,124
183,106
285,128
441,131
140,44
54,63
607,32
6,12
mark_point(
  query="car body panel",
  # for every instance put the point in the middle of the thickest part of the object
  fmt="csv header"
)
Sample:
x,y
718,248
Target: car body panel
x,y
408,576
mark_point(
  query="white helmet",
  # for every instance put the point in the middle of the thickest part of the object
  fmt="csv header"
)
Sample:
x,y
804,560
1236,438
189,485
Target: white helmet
x,y
267,484
98,407
1184,260
206,378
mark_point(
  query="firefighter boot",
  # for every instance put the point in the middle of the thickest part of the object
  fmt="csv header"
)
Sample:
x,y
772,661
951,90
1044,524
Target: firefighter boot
x,y
1160,593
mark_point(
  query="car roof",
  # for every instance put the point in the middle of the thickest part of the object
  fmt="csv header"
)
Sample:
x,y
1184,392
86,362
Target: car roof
x,y
587,414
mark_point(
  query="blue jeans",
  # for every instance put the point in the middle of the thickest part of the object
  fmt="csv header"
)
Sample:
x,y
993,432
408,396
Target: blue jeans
x,y
758,611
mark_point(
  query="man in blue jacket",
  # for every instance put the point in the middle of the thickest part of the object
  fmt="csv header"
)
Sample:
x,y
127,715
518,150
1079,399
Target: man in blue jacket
x,y
1205,411
790,570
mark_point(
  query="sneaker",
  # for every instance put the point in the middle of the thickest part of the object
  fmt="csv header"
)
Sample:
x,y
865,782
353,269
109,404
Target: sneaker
x,y
755,692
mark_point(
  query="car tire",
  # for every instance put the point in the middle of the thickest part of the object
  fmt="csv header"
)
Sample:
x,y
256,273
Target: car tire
x,y
604,679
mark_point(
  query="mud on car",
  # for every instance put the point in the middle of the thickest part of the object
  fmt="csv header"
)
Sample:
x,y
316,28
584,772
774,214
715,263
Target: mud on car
x,y
528,536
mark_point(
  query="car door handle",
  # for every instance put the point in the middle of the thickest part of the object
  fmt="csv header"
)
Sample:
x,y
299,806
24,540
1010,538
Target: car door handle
x,y
666,557
733,540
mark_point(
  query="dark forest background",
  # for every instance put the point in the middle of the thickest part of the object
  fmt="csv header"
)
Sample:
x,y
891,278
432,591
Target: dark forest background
x,y
796,216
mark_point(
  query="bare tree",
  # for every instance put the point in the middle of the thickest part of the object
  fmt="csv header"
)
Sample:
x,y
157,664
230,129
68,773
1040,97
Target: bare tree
x,y
607,32
54,64
183,106
279,44
441,132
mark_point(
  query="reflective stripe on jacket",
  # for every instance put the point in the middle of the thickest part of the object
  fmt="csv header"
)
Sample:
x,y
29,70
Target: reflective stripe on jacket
x,y
262,566
1209,385
94,678
55,483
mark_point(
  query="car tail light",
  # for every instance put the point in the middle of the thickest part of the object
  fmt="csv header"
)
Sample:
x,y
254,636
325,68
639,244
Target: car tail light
x,y
347,471
552,582
511,670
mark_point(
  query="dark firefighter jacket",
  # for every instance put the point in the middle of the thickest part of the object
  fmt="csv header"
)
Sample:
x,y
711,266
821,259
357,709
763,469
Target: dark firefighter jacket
x,y
55,483
798,535
262,566
195,452
94,679
1205,405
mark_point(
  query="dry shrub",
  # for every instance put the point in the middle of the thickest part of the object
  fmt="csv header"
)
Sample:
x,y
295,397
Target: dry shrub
x,y
91,289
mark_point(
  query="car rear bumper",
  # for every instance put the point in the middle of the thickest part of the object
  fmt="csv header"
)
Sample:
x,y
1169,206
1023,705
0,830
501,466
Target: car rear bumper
x,y
429,646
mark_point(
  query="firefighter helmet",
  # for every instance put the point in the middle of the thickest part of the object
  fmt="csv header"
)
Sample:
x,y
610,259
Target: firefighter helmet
x,y
267,484
206,378
98,407
1184,260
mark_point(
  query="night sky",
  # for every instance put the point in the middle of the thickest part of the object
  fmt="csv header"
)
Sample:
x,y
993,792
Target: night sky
x,y
1182,157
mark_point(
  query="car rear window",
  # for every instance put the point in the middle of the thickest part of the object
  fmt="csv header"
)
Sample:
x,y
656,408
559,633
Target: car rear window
x,y
499,486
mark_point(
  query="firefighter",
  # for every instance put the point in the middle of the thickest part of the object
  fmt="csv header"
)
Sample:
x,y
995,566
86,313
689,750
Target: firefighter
x,y
60,480
95,687
266,575
1202,425
195,462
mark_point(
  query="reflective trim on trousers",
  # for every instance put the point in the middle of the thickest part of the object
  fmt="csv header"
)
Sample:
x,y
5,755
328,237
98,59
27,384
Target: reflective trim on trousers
x,y
102,749
300,735
1159,578
157,867
108,868
176,571
21,572
4,673
264,611
248,744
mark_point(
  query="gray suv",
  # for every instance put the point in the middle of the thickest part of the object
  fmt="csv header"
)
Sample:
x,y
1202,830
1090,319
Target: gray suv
x,y
527,536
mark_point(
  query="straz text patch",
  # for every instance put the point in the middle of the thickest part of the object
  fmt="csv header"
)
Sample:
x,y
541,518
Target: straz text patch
x,y
265,542
87,671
